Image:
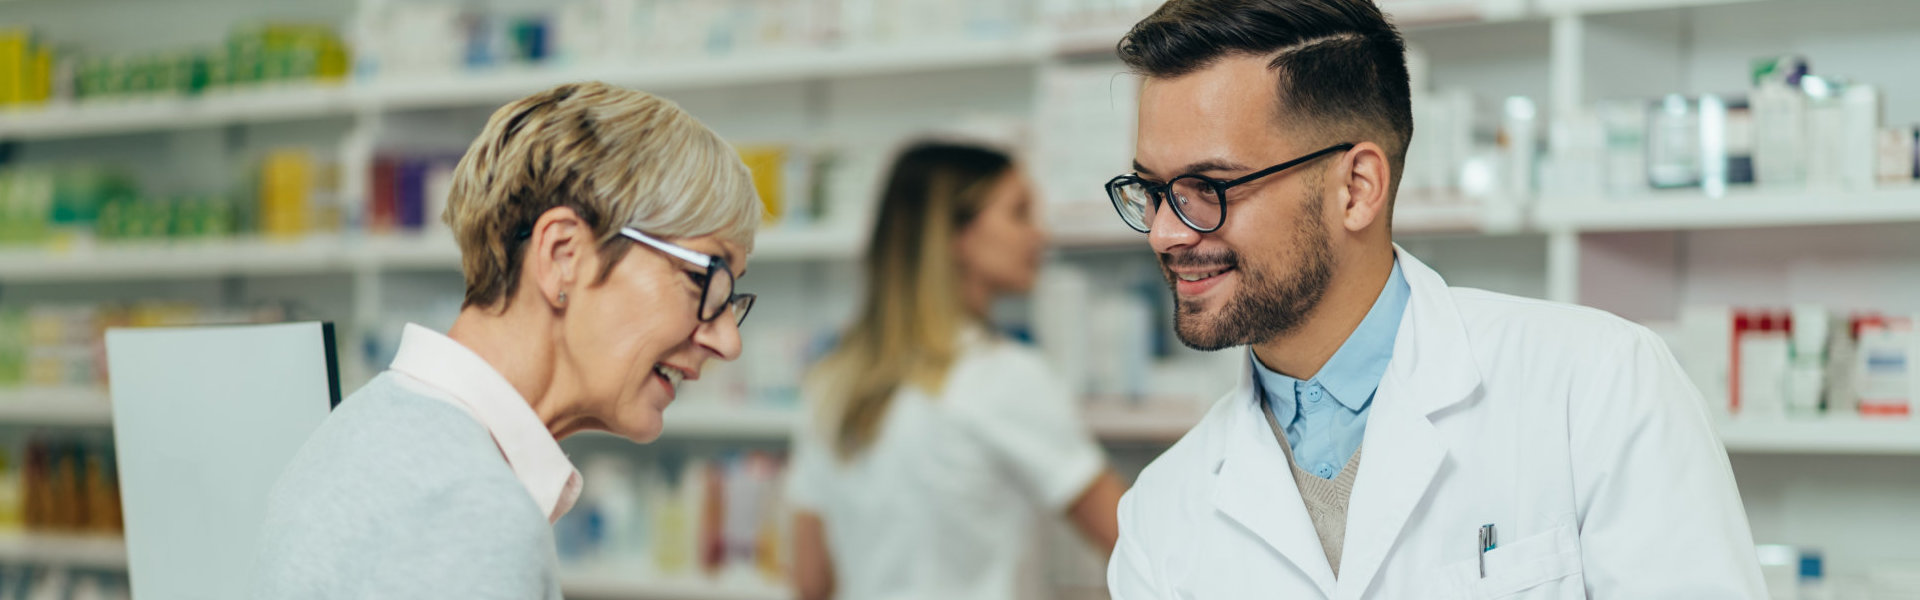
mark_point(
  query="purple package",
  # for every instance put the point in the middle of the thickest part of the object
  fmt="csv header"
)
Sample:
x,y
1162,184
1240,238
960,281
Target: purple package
x,y
410,182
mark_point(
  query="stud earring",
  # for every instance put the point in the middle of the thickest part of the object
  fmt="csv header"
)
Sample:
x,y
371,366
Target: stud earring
x,y
563,298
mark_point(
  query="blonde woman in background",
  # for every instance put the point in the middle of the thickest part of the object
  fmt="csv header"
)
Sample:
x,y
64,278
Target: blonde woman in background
x,y
936,448
600,233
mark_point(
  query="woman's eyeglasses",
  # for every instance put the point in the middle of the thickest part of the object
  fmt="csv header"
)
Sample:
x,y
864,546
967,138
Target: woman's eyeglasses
x,y
716,289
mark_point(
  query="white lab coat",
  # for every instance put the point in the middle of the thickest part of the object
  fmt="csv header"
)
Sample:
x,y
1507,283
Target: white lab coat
x,y
1572,431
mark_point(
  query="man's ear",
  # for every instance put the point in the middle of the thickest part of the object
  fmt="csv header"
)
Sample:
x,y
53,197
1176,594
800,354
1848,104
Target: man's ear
x,y
1362,177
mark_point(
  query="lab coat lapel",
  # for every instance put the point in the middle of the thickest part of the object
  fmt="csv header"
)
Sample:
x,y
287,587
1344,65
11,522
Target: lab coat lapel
x,y
1432,369
1254,487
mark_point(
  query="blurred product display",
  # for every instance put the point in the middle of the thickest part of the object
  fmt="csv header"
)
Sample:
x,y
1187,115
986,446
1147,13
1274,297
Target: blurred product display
x,y
34,583
1800,363
288,194
1740,176
1791,130
404,38
61,346
34,70
700,517
60,485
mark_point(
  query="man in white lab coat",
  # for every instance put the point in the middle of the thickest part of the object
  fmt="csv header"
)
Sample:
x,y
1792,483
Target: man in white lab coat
x,y
1393,437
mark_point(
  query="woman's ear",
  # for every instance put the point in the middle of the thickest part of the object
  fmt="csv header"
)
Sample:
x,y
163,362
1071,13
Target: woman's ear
x,y
560,250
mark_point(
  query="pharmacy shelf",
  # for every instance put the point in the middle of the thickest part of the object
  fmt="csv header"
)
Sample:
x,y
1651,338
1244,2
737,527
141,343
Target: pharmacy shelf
x,y
286,102
831,242
1105,231
1103,36
155,260
326,254
611,584
425,251
136,115
93,551
1137,425
1414,215
1823,436
1830,436
706,419
769,67
64,407
1084,229
1678,211
308,101
1595,7
1418,14
703,419
783,244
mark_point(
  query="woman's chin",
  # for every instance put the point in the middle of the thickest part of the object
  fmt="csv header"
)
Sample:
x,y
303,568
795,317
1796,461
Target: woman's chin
x,y
643,419
640,431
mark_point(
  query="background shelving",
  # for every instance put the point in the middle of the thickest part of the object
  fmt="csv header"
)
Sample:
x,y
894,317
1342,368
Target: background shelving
x,y
590,583
1690,210
1843,247
72,407
120,117
1843,436
67,550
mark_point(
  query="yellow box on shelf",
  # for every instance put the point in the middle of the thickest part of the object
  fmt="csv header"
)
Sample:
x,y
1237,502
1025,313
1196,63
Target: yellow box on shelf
x,y
286,179
768,164
26,68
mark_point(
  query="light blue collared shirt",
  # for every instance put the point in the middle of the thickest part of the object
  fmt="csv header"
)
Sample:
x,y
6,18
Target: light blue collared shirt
x,y
1325,417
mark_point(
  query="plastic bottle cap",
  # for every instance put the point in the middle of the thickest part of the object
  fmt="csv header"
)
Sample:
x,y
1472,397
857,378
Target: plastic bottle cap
x,y
1811,566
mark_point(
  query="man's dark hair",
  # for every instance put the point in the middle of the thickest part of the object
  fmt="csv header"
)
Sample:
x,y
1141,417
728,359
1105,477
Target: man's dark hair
x,y
1342,66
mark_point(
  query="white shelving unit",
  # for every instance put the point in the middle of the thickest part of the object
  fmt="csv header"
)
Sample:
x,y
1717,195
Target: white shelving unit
x,y
112,117
1550,49
154,261
1144,425
608,583
705,73
1842,436
91,551
1739,209
1599,7
329,254
297,102
1412,217
703,419
77,407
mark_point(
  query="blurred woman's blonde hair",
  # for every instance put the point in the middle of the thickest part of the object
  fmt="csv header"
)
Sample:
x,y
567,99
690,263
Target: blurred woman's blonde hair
x,y
617,157
912,315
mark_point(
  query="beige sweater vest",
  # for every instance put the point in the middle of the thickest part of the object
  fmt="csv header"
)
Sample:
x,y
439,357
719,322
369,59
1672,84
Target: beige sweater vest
x,y
1326,499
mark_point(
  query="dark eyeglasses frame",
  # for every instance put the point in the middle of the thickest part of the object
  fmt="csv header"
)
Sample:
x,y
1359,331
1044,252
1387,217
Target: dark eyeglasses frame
x,y
1157,192
716,268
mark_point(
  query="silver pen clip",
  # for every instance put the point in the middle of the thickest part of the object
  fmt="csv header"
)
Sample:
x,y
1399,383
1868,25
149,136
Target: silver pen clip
x,y
1486,543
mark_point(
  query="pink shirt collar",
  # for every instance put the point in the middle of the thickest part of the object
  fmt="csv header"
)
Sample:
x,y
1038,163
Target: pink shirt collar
x,y
438,366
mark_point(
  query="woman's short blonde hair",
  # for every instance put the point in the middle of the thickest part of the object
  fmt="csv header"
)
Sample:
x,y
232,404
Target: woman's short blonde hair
x,y
617,157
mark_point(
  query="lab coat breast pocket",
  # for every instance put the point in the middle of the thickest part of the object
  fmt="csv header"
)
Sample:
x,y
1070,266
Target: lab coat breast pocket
x,y
1543,566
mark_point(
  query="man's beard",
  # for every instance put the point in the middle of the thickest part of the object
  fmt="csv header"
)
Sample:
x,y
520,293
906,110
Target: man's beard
x,y
1265,306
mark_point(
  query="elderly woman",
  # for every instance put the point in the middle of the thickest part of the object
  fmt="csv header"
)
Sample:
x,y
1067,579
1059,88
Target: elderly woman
x,y
601,231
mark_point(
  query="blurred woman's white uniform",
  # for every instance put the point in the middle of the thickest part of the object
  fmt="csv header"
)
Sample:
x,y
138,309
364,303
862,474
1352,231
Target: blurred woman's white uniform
x,y
949,501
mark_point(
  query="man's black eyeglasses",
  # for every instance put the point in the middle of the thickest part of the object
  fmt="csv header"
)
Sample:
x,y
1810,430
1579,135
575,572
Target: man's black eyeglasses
x,y
1199,201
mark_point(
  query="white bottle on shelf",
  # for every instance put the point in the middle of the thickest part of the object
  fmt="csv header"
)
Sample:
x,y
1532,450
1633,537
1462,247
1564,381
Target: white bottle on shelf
x,y
1780,136
1806,372
1520,125
1860,128
1764,357
1826,148
1625,158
